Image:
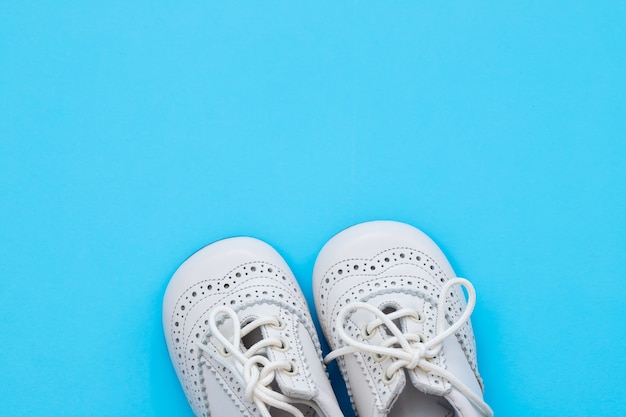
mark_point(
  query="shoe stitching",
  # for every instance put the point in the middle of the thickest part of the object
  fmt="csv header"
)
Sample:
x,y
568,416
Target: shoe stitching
x,y
306,372
327,287
467,328
282,285
224,278
409,353
184,362
295,315
245,408
378,255
468,350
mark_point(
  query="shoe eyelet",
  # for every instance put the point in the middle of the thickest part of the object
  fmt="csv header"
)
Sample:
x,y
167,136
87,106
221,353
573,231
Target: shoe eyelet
x,y
366,334
418,317
386,379
291,371
280,324
284,347
225,352
378,358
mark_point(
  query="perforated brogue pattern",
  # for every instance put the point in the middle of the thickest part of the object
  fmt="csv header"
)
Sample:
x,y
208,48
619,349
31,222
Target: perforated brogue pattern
x,y
375,276
229,383
238,290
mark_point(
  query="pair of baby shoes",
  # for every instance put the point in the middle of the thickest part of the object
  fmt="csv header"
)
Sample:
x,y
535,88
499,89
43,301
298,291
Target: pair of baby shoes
x,y
243,343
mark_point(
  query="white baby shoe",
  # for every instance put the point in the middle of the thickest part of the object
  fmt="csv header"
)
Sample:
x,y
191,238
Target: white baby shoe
x,y
240,335
395,315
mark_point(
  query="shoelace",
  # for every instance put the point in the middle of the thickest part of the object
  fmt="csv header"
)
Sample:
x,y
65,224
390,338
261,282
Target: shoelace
x,y
254,370
413,352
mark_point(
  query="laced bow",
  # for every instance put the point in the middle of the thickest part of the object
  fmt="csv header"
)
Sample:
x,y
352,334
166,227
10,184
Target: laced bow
x,y
253,369
410,350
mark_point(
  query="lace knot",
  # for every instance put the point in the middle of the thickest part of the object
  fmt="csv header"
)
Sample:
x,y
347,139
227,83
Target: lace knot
x,y
417,355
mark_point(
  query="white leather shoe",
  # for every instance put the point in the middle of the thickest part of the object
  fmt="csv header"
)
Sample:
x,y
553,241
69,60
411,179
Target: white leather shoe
x,y
394,313
240,335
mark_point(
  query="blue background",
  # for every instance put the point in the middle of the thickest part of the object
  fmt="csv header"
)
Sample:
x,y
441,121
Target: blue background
x,y
133,134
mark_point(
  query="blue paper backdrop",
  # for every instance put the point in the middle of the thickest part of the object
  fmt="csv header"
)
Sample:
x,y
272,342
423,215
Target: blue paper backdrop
x,y
134,133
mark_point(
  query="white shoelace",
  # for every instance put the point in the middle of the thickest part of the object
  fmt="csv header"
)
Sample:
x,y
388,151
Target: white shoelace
x,y
254,370
413,352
